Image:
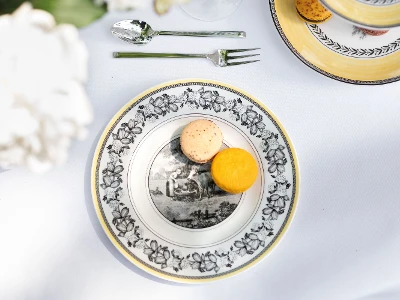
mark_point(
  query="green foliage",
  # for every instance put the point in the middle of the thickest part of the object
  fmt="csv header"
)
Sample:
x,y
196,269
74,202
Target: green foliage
x,y
8,6
77,12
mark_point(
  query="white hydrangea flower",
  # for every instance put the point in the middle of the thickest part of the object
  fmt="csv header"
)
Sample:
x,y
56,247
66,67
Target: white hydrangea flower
x,y
222,250
117,145
43,103
120,194
126,4
139,118
232,255
192,105
173,262
268,224
240,108
148,109
194,97
170,262
281,190
181,98
232,115
280,179
264,145
265,134
114,204
178,253
185,263
230,103
139,231
255,226
273,143
130,236
113,157
162,6
219,262
125,152
140,244
271,187
222,261
113,5
262,234
110,193
152,119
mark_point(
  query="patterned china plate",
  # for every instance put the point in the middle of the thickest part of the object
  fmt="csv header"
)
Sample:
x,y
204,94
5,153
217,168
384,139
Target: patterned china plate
x,y
368,13
338,49
163,212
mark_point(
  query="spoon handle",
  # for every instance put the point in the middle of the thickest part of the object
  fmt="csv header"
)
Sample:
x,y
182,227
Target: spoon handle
x,y
229,34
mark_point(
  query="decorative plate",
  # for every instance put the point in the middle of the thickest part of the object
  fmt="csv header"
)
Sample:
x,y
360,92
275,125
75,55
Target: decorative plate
x,y
338,49
367,13
164,212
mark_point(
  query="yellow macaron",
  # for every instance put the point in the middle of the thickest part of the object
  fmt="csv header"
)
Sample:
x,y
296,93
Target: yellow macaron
x,y
234,170
312,11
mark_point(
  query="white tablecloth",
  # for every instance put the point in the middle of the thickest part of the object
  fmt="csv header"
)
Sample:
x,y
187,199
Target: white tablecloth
x,y
344,241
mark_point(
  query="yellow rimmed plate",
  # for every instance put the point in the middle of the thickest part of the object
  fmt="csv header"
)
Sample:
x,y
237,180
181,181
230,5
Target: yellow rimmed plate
x,y
163,213
338,49
367,13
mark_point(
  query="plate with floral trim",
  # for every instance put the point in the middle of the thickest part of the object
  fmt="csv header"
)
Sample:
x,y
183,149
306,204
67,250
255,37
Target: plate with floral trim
x,y
163,212
337,48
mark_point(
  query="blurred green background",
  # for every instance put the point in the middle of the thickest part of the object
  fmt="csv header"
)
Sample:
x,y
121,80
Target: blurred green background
x,y
77,12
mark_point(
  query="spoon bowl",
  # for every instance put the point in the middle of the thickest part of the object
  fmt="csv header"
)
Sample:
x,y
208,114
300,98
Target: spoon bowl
x,y
133,31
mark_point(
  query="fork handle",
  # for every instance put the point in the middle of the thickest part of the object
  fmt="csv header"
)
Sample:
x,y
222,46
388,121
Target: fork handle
x,y
161,55
228,34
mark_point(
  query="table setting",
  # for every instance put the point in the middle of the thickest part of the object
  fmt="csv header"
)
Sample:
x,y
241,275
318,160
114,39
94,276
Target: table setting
x,y
268,168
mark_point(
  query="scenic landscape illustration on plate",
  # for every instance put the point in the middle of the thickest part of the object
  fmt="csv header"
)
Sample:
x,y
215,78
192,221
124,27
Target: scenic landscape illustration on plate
x,y
184,192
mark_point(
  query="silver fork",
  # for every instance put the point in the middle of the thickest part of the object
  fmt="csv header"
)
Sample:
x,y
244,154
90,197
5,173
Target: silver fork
x,y
221,57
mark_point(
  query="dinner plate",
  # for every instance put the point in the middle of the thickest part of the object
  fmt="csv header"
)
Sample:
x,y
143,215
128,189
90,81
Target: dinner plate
x,y
164,212
338,49
367,13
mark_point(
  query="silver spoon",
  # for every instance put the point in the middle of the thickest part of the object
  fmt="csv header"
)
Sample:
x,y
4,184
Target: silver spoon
x,y
140,33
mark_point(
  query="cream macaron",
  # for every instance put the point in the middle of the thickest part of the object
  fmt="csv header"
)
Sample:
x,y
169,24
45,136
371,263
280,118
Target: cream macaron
x,y
201,140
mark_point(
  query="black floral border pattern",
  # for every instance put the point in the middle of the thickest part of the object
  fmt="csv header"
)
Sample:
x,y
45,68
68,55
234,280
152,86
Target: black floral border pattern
x,y
314,67
349,51
251,241
379,2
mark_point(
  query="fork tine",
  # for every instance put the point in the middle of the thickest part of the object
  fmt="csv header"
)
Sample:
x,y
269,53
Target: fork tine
x,y
241,63
241,56
240,50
